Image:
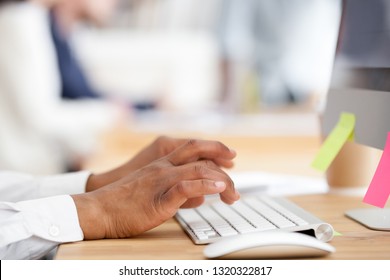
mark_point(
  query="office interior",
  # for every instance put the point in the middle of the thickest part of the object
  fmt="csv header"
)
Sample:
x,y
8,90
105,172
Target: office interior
x,y
181,67
222,56
253,74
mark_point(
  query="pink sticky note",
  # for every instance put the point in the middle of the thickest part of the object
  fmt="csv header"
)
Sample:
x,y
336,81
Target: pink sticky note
x,y
379,189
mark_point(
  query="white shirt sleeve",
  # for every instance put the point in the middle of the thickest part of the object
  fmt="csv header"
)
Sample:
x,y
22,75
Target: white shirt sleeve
x,y
16,186
47,217
31,229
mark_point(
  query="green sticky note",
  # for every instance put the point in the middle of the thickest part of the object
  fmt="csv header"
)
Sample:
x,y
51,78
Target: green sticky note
x,y
337,233
343,131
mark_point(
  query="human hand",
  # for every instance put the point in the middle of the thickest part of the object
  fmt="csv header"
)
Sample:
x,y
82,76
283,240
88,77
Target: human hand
x,y
159,148
151,195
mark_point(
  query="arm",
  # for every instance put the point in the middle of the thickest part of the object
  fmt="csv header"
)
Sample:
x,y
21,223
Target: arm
x,y
31,229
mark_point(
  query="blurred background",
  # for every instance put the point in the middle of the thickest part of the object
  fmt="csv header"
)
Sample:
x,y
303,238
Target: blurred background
x,y
72,70
231,55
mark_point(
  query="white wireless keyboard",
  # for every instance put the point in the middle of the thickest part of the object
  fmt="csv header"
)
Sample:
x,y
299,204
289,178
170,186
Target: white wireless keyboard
x,y
215,220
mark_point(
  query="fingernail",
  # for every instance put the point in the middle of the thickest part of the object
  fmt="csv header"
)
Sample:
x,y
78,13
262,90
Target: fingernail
x,y
220,185
233,151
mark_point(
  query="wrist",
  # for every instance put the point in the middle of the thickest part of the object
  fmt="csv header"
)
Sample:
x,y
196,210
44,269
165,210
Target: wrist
x,y
96,181
92,183
90,215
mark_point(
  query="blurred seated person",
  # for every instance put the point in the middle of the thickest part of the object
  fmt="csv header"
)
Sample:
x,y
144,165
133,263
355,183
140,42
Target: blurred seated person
x,y
64,16
50,134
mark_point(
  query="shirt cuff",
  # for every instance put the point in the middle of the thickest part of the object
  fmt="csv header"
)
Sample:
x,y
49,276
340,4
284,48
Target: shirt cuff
x,y
70,183
54,218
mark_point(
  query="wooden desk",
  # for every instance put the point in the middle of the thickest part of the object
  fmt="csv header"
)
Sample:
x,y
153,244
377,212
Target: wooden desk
x,y
274,154
168,241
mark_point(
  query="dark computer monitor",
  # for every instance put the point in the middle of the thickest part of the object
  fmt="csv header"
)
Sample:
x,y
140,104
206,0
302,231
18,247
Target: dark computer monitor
x,y
360,81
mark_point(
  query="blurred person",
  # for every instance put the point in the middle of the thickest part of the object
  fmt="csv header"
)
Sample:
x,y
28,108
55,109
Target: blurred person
x,y
284,47
49,134
37,214
64,16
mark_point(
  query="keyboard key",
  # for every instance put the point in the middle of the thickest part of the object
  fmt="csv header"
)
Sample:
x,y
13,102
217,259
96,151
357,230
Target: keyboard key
x,y
201,236
210,233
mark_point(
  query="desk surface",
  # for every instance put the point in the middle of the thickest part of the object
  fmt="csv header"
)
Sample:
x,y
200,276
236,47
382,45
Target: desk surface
x,y
168,241
273,154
